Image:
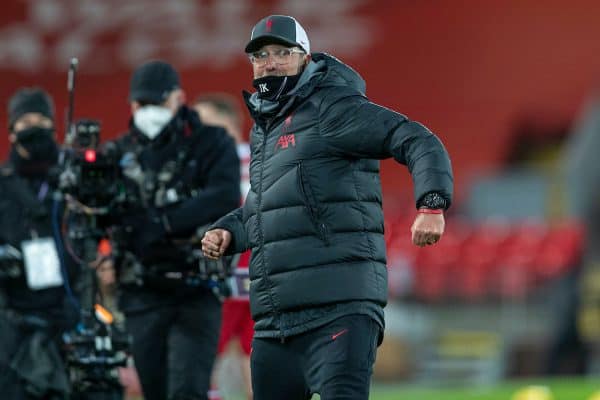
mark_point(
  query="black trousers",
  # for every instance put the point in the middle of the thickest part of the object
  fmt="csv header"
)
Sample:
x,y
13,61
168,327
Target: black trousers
x,y
174,347
335,360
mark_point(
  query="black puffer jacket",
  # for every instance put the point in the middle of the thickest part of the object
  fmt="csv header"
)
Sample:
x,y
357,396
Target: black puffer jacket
x,y
313,217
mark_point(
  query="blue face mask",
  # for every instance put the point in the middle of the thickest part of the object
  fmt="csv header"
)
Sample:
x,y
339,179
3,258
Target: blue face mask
x,y
152,119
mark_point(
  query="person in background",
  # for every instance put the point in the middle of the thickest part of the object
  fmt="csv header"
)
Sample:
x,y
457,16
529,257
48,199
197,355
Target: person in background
x,y
221,109
36,303
187,176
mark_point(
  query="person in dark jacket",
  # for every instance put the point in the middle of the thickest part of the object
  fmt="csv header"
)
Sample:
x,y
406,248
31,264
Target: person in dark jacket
x,y
313,217
187,176
34,306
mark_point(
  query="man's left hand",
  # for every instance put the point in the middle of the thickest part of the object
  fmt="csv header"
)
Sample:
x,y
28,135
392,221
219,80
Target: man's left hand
x,y
427,229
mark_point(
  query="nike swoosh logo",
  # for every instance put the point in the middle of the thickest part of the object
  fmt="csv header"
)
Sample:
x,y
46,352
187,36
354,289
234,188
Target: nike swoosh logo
x,y
333,337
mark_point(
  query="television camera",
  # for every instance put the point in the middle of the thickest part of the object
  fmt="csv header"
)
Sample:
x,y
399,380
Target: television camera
x,y
92,191
100,187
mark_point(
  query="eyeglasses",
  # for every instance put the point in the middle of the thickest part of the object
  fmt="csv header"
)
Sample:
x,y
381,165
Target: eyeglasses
x,y
281,56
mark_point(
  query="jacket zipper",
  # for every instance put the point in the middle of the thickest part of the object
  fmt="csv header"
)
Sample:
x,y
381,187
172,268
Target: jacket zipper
x,y
260,226
313,210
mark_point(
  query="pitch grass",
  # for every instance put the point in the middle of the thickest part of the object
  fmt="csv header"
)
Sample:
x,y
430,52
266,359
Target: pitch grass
x,y
561,389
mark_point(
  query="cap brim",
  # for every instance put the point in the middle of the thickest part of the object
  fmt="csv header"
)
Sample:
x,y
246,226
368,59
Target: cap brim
x,y
258,42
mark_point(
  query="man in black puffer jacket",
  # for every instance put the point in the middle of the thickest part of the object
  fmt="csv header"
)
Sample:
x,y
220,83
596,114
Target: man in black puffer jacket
x,y
313,217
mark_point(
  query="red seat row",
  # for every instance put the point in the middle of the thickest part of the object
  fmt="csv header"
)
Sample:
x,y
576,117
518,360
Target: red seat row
x,y
493,259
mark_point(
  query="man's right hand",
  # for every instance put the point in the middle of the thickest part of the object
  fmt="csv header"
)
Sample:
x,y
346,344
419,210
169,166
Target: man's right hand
x,y
215,242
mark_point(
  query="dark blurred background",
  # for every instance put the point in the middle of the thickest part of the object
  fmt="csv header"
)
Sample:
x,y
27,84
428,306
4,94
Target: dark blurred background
x,y
470,70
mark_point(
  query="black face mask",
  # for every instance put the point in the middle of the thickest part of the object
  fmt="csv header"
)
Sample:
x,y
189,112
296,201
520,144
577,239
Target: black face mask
x,y
273,87
42,149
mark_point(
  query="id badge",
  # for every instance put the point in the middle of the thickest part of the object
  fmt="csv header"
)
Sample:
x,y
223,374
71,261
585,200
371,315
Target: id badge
x,y
42,266
240,284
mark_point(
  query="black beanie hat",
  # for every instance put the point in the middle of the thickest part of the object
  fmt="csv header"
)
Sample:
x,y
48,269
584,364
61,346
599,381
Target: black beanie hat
x,y
29,100
153,81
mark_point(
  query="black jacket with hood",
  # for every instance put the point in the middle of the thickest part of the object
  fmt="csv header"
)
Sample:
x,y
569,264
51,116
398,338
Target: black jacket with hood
x,y
313,217
204,165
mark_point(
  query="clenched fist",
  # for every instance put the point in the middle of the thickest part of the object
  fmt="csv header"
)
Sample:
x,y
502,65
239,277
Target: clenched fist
x,y
215,242
427,229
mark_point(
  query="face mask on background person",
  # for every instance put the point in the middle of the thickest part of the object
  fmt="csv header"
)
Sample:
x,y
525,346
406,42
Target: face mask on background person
x,y
152,119
42,150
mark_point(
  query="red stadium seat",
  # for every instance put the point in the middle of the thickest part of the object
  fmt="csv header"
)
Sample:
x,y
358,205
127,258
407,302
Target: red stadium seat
x,y
493,259
560,251
478,257
436,265
515,268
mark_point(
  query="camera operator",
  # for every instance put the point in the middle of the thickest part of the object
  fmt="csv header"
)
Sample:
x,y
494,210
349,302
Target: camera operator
x,y
34,311
188,176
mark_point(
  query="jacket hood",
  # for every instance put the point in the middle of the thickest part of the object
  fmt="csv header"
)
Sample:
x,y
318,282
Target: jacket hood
x,y
324,70
336,73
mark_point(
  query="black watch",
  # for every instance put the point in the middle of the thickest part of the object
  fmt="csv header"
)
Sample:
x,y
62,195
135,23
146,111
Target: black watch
x,y
433,201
